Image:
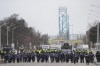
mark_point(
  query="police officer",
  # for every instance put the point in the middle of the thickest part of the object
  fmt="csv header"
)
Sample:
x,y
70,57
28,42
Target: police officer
x,y
13,57
18,57
5,57
91,56
46,56
33,56
71,56
52,56
98,56
67,57
42,55
62,56
38,56
75,57
9,57
81,57
56,57
29,57
24,57
87,58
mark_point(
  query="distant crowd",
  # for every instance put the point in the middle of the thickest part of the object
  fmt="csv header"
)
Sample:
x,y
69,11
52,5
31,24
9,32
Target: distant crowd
x,y
58,56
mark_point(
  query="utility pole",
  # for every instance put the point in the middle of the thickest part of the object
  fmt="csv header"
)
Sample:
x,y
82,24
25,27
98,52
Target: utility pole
x,y
7,35
98,36
0,37
7,32
12,37
97,32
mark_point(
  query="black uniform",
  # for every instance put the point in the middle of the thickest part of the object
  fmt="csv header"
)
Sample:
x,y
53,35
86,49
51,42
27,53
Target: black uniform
x,y
18,57
91,56
38,57
75,58
33,56
52,57
67,57
98,56
56,57
71,56
24,57
13,57
42,57
81,57
5,58
29,57
46,56
87,58
9,57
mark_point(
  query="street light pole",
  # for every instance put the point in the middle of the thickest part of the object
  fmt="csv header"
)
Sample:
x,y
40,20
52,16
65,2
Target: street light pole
x,y
12,36
98,35
7,35
12,45
13,33
0,37
97,32
7,32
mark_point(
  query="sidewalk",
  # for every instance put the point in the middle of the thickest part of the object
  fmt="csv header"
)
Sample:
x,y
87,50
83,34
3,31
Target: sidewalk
x,y
1,61
96,63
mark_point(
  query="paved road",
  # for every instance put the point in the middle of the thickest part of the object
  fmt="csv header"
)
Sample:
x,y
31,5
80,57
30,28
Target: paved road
x,y
47,64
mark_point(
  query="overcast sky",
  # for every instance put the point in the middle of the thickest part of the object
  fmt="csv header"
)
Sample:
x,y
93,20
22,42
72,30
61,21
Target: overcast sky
x,y
43,14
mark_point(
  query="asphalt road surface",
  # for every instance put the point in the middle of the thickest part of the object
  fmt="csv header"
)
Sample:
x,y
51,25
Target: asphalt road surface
x,y
47,64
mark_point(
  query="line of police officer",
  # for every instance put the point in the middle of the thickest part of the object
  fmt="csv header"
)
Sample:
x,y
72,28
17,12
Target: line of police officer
x,y
50,55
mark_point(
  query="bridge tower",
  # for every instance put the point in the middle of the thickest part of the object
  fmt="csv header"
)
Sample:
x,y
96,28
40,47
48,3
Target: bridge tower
x,y
63,23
